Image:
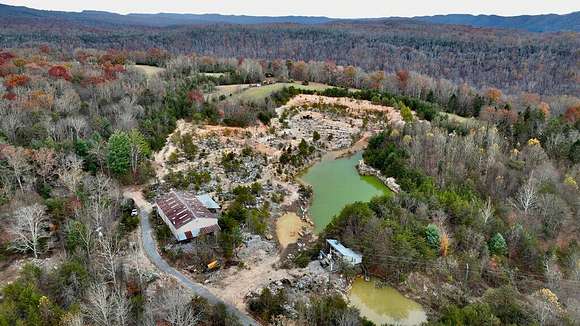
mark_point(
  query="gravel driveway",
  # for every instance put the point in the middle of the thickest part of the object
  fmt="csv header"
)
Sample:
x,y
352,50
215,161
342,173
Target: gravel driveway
x,y
150,247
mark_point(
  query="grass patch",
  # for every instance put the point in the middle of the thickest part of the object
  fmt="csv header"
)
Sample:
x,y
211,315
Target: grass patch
x,y
213,74
256,94
149,70
458,119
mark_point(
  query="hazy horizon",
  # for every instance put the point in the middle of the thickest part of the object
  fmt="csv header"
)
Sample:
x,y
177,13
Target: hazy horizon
x,y
347,9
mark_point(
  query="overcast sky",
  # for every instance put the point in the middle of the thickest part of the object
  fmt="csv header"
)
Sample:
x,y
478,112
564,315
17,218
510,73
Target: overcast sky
x,y
329,8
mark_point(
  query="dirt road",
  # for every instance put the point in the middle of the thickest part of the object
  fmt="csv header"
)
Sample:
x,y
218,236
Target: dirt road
x,y
150,248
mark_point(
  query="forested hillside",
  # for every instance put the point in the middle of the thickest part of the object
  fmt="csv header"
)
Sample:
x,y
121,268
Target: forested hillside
x,y
537,23
513,61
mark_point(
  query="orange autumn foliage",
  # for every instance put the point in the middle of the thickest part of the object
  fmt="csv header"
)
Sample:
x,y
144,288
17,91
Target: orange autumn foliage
x,y
19,62
113,57
157,55
12,81
39,100
496,116
96,80
444,245
403,78
572,114
545,109
110,71
5,57
494,95
377,79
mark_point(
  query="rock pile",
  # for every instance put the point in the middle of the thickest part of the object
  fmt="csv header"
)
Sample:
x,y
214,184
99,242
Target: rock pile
x,y
364,169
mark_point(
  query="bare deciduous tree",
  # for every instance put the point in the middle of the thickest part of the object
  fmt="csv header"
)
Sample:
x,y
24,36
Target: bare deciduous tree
x,y
109,252
11,121
175,306
551,271
104,195
106,306
68,102
71,172
45,160
29,228
527,197
350,317
17,160
552,211
486,212
99,152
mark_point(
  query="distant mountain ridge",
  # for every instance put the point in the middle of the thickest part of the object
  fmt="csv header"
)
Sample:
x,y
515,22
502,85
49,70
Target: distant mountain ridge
x,y
535,23
152,20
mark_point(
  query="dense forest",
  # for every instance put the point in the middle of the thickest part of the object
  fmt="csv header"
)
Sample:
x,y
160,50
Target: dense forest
x,y
513,61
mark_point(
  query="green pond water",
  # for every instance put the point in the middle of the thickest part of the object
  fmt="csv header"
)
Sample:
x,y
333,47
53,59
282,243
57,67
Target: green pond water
x,y
385,305
335,184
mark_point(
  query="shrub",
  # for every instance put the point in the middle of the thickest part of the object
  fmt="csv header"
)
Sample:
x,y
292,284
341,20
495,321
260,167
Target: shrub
x,y
473,314
129,223
268,305
315,136
406,113
432,235
497,245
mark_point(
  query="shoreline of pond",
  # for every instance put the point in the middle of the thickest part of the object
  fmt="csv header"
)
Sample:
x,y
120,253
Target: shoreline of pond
x,y
358,147
297,205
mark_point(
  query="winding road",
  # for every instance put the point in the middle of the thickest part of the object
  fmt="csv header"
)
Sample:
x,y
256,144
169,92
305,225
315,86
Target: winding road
x,y
150,247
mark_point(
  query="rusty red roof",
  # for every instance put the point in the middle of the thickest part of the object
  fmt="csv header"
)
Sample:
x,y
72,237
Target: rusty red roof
x,y
182,207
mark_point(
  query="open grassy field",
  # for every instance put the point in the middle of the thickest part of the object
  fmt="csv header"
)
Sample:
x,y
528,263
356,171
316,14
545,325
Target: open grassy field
x,y
459,119
260,93
228,90
213,74
149,70
246,93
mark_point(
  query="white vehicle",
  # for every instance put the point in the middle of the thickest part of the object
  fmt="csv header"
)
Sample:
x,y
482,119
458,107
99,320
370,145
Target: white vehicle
x,y
134,212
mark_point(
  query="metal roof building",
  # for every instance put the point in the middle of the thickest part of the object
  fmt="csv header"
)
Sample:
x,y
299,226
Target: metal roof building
x,y
347,254
186,215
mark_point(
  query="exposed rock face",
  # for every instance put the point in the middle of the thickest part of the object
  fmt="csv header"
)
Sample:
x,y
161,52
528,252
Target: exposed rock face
x,y
364,169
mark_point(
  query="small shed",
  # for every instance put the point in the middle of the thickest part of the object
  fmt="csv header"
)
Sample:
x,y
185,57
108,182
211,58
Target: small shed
x,y
347,254
208,202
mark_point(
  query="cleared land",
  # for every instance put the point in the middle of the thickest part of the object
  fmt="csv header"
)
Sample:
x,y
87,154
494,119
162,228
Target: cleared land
x,y
259,93
354,107
341,129
213,74
150,70
459,119
288,228
228,90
